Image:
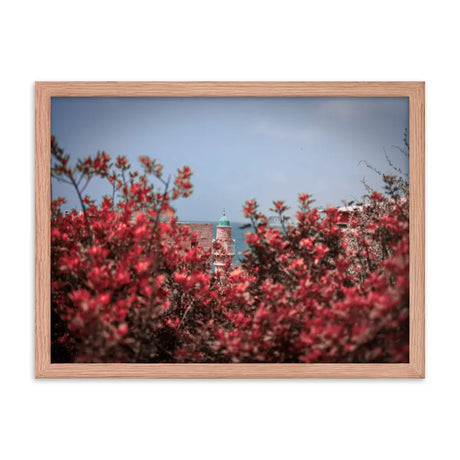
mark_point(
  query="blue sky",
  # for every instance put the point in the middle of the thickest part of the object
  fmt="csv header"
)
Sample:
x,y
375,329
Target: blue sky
x,y
239,148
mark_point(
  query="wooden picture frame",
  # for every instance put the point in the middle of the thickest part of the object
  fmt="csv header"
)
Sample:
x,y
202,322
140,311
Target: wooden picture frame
x,y
44,91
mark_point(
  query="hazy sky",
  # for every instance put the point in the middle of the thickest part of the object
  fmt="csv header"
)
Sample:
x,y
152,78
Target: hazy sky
x,y
239,148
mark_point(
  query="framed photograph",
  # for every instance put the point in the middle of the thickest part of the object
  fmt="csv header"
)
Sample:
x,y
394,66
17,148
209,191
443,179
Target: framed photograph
x,y
229,229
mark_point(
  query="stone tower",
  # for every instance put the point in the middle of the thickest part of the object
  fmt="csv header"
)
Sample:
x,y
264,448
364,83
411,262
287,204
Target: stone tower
x,y
224,237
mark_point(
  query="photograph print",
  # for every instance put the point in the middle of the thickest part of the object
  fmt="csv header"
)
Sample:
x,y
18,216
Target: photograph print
x,y
229,229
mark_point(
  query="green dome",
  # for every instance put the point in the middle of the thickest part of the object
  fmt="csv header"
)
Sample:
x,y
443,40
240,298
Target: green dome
x,y
223,221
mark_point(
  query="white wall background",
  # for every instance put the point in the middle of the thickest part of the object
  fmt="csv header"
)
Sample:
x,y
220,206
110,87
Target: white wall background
x,y
237,40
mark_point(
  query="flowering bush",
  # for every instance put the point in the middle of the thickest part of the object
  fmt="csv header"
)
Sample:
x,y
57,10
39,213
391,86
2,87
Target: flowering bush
x,y
125,275
304,294
130,284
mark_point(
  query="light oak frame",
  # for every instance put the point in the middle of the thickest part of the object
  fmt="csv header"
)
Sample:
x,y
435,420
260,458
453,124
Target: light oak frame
x,y
44,91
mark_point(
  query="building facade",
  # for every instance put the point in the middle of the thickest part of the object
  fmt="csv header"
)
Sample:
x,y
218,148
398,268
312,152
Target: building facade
x,y
223,246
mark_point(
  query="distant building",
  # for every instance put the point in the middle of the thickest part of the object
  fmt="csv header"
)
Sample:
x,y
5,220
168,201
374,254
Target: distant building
x,y
226,251
346,212
204,232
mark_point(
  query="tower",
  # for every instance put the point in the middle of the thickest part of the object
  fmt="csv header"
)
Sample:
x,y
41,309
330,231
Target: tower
x,y
225,252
